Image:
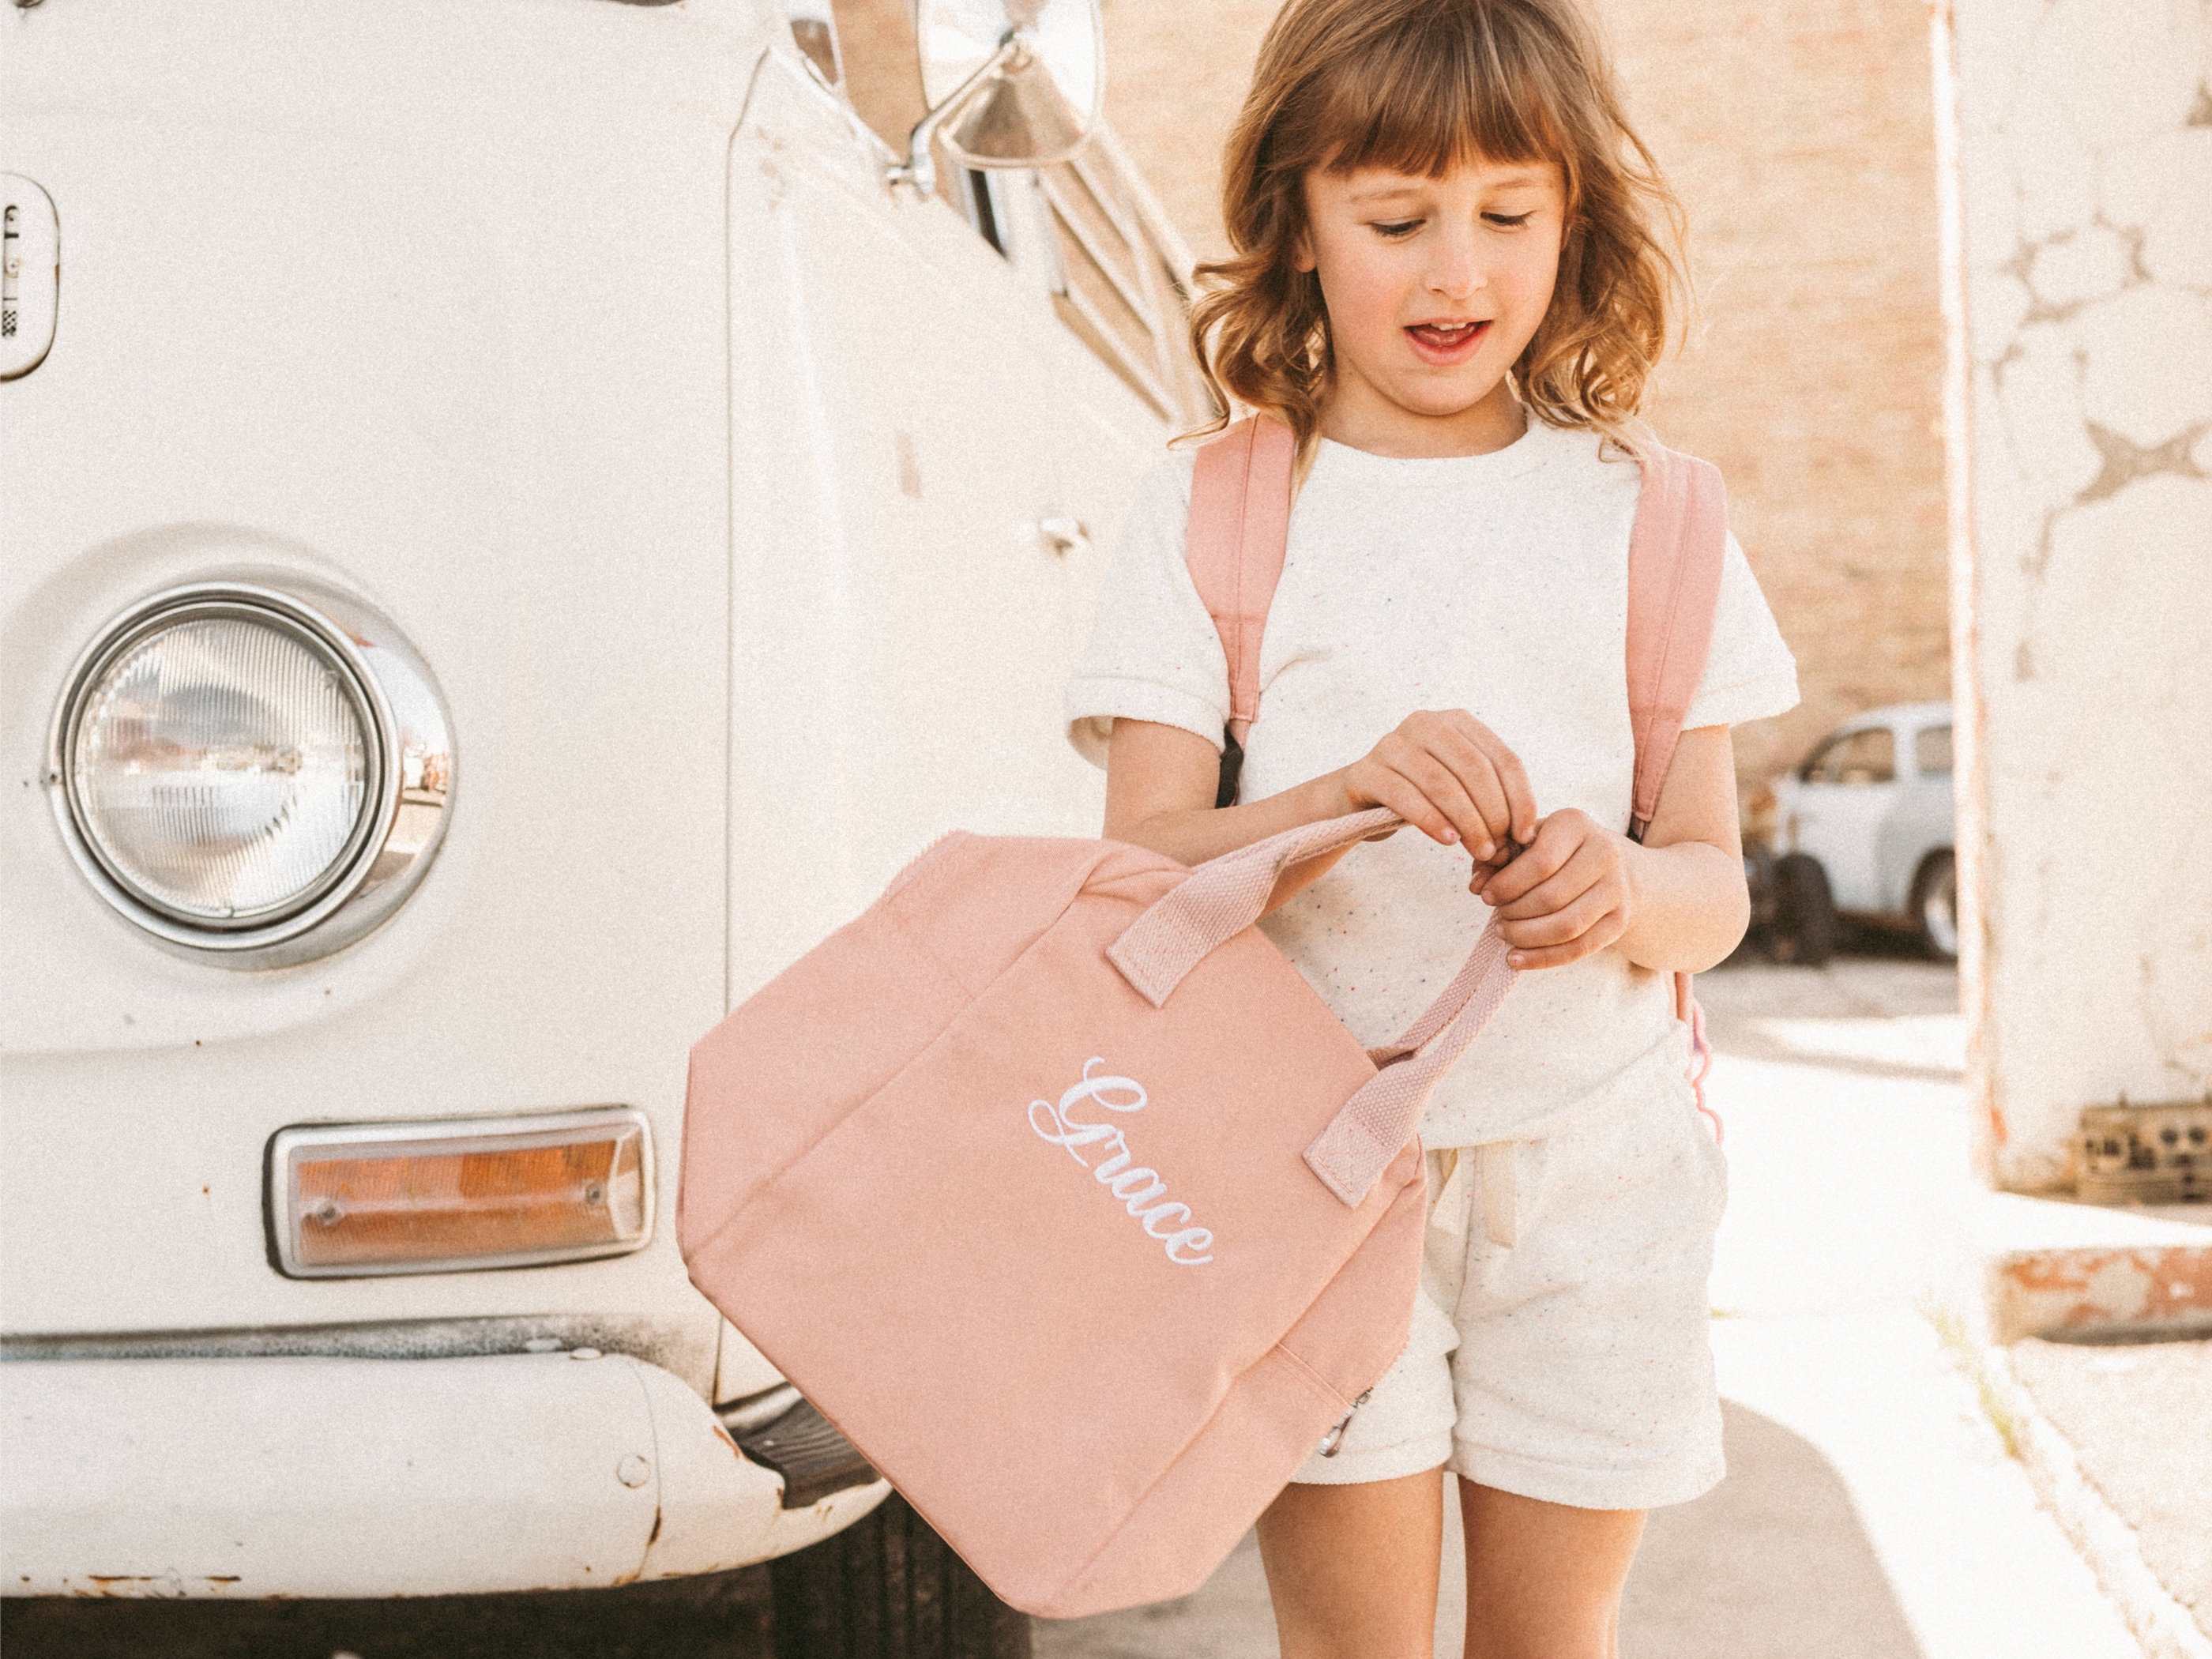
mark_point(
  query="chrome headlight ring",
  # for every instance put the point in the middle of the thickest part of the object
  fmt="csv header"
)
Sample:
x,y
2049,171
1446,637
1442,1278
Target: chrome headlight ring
x,y
407,775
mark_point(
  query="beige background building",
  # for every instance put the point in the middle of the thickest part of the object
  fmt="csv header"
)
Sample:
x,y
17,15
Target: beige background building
x,y
1801,135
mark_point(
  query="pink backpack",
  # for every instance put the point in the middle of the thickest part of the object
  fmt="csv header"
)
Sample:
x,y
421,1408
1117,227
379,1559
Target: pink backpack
x,y
1239,531
1053,1185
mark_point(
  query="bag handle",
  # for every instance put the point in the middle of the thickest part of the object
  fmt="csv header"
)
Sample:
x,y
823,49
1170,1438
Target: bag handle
x,y
1372,1127
1224,895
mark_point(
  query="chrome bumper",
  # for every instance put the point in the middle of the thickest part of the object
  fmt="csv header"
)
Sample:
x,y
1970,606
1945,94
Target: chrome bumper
x,y
333,1477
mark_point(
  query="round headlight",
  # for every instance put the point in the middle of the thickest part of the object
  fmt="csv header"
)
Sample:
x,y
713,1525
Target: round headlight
x,y
223,765
235,767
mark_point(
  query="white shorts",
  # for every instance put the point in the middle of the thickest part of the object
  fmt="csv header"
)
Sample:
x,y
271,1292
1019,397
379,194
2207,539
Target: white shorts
x,y
1560,1346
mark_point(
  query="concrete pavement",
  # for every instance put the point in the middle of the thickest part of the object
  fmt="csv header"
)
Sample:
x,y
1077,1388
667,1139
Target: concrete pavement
x,y
1871,1508
2137,1420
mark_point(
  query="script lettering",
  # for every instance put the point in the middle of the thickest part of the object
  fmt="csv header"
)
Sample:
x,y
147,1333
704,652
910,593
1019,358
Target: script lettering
x,y
1193,1238
1160,1213
1137,1188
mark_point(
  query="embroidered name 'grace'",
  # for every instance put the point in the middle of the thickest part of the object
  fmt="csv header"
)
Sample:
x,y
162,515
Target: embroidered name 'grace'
x,y
1140,1190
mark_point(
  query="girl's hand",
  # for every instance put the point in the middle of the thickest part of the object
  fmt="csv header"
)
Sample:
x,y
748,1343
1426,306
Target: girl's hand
x,y
1451,777
1567,896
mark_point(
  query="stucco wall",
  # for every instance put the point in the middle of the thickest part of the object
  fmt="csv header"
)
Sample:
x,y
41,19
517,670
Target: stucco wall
x,y
1799,137
2082,428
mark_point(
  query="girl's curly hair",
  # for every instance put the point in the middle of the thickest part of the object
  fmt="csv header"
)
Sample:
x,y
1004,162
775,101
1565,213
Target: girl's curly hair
x,y
1418,86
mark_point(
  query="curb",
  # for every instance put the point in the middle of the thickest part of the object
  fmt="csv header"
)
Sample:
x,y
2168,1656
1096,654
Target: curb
x,y
2161,1624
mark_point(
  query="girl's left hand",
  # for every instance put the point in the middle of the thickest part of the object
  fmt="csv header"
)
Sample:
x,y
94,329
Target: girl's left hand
x,y
1565,896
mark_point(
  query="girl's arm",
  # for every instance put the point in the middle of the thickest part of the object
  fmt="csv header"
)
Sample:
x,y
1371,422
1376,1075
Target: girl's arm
x,y
1675,902
1444,772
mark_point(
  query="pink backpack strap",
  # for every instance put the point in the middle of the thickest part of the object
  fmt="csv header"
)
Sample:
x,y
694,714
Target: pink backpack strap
x,y
1239,528
1675,552
1240,524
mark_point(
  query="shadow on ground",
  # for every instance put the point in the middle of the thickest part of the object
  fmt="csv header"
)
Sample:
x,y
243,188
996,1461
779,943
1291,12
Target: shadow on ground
x,y
1772,1564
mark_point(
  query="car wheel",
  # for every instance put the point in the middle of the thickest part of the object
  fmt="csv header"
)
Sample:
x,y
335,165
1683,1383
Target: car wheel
x,y
1935,906
1803,931
888,1588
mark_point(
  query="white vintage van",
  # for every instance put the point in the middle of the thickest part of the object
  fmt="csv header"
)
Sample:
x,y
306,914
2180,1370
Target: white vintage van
x,y
516,517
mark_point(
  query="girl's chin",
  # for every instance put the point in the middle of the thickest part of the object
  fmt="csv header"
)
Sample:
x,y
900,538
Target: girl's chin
x,y
1438,398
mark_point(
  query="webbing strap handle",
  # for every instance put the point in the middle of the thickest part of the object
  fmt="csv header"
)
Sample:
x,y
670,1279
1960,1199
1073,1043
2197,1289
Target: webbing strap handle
x,y
1384,1113
1224,895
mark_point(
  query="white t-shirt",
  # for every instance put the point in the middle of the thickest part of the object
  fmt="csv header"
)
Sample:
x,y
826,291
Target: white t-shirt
x,y
1495,583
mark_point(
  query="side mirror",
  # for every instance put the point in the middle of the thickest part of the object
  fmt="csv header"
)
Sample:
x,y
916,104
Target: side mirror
x,y
1010,83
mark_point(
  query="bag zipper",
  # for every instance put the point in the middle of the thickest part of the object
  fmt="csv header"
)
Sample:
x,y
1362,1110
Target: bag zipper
x,y
1332,1441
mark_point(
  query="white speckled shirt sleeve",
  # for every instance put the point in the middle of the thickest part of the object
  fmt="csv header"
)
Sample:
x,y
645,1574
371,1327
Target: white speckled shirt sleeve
x,y
1153,654
1749,673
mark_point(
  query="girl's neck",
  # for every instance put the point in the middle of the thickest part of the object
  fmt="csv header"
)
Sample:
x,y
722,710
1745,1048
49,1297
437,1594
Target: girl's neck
x,y
1360,417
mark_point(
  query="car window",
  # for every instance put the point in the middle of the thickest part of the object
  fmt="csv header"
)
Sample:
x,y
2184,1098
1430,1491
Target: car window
x,y
1931,751
1868,757
1116,268
1116,283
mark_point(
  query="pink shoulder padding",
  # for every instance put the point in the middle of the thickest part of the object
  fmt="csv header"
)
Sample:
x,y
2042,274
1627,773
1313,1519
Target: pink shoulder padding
x,y
1239,526
1674,557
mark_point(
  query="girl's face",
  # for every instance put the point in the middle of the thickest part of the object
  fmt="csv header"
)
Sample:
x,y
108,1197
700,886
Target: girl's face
x,y
1433,286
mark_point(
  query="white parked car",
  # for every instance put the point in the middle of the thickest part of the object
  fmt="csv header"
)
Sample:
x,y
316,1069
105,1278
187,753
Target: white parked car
x,y
519,516
1863,828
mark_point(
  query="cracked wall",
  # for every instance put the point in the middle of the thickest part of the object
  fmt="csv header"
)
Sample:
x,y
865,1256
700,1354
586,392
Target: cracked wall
x,y
2078,161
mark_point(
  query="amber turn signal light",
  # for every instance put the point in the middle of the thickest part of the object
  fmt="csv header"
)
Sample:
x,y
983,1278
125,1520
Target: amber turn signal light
x,y
444,1197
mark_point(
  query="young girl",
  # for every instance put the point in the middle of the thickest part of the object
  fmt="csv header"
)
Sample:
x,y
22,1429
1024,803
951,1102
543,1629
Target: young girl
x,y
1448,282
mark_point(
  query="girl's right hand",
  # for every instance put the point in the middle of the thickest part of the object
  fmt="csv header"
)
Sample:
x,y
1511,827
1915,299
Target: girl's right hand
x,y
1451,777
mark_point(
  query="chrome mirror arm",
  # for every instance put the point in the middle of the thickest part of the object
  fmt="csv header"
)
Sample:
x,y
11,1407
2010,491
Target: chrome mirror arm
x,y
919,170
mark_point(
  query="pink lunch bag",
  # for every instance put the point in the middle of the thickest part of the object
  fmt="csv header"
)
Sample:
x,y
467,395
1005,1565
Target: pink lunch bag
x,y
1053,1186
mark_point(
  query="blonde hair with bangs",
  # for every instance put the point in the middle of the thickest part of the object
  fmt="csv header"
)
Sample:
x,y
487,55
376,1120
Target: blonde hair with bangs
x,y
1417,85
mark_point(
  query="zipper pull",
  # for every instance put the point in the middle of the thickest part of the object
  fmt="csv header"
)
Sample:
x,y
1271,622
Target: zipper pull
x,y
1335,1438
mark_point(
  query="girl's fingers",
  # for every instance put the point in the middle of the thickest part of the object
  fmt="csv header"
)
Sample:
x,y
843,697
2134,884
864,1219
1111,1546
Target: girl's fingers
x,y
1569,922
1608,928
1476,771
1372,783
1540,860
1443,787
1586,868
1519,800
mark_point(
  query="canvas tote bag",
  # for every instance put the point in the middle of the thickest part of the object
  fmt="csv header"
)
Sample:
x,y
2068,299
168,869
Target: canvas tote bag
x,y
1053,1186
1050,1182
